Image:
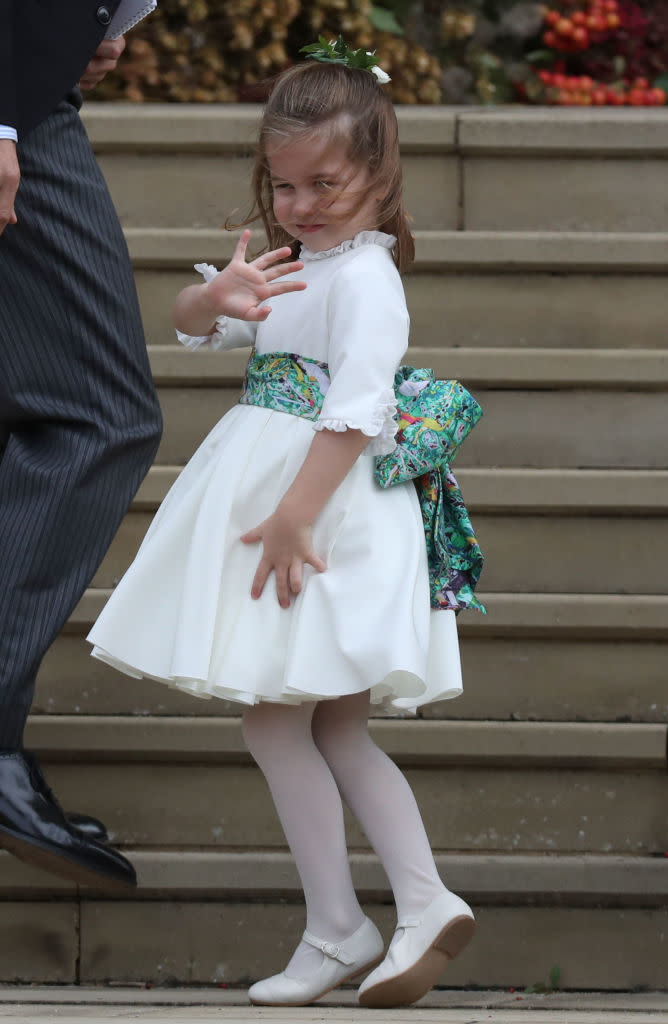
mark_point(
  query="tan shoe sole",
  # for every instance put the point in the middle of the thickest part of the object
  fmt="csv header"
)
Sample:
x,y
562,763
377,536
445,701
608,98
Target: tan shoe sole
x,y
406,988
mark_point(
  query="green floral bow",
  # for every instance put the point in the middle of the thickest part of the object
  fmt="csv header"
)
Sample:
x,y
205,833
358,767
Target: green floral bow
x,y
338,52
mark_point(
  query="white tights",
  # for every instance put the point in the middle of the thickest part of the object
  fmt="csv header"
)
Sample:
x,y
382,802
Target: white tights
x,y
312,755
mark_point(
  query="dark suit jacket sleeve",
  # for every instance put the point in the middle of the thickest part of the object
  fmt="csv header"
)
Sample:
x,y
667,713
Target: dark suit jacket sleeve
x,y
8,101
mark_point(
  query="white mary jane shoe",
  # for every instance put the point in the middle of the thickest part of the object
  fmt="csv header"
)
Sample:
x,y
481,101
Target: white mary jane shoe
x,y
342,961
415,961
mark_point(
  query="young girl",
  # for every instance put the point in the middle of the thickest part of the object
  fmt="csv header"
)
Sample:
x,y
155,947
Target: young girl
x,y
284,485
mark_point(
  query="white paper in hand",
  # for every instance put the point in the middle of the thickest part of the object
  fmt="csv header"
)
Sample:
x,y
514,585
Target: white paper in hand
x,y
129,14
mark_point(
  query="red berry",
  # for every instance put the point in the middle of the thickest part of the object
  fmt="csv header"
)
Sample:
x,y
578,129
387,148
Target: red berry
x,y
581,37
613,20
564,27
658,97
636,97
550,39
552,17
641,83
599,97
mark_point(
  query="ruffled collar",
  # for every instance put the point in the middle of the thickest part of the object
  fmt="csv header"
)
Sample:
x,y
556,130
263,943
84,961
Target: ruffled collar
x,y
363,238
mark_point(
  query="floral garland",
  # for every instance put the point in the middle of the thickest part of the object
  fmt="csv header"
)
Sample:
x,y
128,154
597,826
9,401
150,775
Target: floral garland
x,y
338,52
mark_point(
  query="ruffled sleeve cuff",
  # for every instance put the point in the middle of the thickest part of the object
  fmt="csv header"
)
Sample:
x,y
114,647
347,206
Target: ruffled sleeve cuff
x,y
380,425
216,339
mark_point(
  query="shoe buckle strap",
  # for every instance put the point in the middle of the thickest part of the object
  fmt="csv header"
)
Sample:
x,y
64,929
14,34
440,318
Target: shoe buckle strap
x,y
331,949
409,922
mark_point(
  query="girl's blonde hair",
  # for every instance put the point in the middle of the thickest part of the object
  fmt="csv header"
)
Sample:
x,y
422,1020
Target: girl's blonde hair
x,y
345,101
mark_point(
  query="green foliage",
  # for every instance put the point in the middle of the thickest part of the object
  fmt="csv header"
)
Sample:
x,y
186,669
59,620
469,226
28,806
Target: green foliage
x,y
340,53
553,985
384,20
399,9
452,51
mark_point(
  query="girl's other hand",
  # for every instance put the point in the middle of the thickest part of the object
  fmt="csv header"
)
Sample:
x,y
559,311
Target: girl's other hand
x,y
242,288
287,547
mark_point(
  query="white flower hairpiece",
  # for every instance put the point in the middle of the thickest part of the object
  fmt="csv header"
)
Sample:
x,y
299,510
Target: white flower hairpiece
x,y
381,75
338,52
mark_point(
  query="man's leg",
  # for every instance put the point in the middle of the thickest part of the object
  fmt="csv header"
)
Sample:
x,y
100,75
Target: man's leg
x,y
80,416
76,397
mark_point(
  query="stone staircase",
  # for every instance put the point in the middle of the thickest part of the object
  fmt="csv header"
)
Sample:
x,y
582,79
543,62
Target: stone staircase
x,y
542,241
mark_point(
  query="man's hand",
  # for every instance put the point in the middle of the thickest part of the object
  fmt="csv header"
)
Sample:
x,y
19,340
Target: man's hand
x,y
10,176
102,62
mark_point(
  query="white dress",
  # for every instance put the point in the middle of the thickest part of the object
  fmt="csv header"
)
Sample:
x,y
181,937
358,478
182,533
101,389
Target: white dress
x,y
183,614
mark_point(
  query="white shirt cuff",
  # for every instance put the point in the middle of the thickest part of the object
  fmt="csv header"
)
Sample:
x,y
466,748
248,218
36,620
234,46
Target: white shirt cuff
x,y
8,133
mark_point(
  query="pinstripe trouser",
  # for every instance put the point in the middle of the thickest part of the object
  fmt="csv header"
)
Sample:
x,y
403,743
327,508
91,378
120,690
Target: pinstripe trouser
x,y
78,412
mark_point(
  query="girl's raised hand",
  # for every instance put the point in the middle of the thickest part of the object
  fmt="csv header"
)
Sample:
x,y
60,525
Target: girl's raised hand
x,y
287,547
242,288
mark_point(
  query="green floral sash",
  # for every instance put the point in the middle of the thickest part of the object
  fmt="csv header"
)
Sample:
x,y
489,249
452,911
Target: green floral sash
x,y
434,417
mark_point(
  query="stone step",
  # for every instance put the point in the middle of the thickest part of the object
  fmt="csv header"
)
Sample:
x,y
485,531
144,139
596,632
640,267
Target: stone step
x,y
487,289
493,879
228,944
528,171
571,308
587,409
644,252
490,170
500,490
148,156
547,428
466,807
513,676
545,552
440,1006
487,787
493,369
408,741
638,617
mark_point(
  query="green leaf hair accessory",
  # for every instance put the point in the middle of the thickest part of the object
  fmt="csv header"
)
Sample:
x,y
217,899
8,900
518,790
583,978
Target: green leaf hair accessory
x,y
338,52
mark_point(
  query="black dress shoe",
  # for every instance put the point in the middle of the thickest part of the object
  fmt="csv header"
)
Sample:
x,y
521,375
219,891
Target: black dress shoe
x,y
34,828
91,827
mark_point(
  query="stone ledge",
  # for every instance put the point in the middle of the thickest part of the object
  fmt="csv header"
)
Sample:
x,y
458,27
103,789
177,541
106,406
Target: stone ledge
x,y
194,127
615,492
626,746
446,251
225,127
509,131
555,616
534,368
489,879
610,1007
